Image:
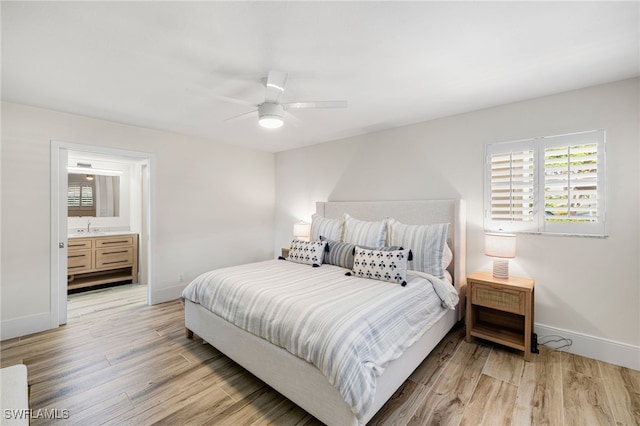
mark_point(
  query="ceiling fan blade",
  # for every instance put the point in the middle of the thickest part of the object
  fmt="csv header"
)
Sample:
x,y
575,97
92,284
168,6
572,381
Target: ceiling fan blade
x,y
292,119
275,85
317,104
239,116
233,100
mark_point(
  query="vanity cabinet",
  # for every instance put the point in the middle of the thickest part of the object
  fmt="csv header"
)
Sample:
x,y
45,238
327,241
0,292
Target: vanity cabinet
x,y
102,260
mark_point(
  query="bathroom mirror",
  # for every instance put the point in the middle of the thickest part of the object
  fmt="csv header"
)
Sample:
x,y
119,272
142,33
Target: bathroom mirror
x,y
93,195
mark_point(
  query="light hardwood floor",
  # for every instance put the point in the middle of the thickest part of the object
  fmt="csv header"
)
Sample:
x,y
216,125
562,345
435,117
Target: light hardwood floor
x,y
120,362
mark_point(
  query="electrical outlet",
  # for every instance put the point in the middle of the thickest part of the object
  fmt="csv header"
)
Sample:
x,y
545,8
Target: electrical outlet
x,y
181,278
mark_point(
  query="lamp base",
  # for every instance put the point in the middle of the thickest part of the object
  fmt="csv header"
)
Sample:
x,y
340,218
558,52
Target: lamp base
x,y
501,268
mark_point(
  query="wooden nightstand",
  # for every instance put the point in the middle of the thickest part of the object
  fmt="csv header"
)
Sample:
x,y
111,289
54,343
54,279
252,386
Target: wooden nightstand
x,y
501,310
285,252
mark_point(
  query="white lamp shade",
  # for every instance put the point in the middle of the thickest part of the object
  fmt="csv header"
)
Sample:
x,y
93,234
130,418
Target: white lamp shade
x,y
301,229
500,245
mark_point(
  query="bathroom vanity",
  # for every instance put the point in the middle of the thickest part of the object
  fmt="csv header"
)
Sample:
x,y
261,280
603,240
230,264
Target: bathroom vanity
x,y
102,259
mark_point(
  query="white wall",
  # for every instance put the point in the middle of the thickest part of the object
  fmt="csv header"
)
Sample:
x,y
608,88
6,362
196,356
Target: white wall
x,y
213,206
586,288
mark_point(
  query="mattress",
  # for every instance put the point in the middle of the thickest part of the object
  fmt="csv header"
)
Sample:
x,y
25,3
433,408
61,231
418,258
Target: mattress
x,y
350,328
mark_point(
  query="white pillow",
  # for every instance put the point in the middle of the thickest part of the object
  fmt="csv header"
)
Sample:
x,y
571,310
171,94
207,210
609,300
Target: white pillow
x,y
364,233
427,243
328,228
447,256
307,252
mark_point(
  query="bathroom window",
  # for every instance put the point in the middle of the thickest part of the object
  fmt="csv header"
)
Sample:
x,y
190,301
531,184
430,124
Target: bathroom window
x,y
80,196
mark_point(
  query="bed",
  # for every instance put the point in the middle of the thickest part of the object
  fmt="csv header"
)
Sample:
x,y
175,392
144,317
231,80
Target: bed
x,y
298,378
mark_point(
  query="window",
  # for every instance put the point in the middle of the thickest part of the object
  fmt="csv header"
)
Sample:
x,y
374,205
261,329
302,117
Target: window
x,y
552,184
80,196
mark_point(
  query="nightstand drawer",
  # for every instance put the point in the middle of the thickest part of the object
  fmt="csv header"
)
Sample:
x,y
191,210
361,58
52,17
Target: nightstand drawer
x,y
498,298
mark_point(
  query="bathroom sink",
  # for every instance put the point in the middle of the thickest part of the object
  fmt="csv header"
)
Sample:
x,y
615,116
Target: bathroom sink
x,y
91,234
97,234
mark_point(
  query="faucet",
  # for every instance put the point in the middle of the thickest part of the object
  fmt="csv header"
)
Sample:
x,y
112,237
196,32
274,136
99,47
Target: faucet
x,y
88,225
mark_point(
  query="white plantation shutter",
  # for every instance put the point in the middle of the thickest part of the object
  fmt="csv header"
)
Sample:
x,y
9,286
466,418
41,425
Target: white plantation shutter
x,y
73,196
550,185
573,176
512,186
80,195
87,196
511,178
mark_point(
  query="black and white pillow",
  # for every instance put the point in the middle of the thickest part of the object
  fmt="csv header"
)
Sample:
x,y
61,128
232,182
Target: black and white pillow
x,y
383,265
307,252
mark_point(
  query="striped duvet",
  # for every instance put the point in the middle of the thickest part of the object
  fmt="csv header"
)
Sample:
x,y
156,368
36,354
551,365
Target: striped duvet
x,y
348,327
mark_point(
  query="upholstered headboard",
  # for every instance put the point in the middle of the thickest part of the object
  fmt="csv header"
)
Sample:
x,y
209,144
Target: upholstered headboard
x,y
419,212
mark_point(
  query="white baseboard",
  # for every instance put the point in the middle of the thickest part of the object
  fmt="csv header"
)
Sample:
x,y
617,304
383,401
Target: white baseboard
x,y
595,347
161,295
22,326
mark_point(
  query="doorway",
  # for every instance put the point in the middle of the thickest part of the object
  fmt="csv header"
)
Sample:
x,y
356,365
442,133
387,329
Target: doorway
x,y
133,213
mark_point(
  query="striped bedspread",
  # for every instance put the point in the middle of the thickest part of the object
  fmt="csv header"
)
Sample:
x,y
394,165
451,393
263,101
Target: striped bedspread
x,y
348,327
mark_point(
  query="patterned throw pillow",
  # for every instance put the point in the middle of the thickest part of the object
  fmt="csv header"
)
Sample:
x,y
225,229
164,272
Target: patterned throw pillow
x,y
364,233
307,252
381,265
427,242
330,228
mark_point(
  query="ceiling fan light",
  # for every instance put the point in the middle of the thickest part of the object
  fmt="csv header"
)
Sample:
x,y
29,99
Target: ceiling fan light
x,y
270,122
270,115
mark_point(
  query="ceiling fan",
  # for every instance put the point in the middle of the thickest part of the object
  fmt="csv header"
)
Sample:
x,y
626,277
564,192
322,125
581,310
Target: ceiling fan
x,y
271,112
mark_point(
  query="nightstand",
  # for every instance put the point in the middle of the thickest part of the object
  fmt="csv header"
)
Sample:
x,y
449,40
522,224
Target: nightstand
x,y
285,252
501,310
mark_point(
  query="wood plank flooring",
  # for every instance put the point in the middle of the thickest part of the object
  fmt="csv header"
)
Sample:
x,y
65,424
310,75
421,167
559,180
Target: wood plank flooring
x,y
121,362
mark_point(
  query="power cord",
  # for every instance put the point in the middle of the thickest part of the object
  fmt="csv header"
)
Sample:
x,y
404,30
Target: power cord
x,y
564,342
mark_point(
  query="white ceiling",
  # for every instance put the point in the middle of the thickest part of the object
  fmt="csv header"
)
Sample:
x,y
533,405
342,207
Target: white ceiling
x,y
170,65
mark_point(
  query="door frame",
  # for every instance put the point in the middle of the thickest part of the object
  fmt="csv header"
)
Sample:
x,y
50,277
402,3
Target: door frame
x,y
59,158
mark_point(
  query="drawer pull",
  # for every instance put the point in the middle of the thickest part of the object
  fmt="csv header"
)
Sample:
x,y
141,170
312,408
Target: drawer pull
x,y
78,266
115,261
115,242
77,255
76,245
115,252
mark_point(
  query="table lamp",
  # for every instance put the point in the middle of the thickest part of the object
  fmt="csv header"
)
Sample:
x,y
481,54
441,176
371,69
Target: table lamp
x,y
302,230
501,247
